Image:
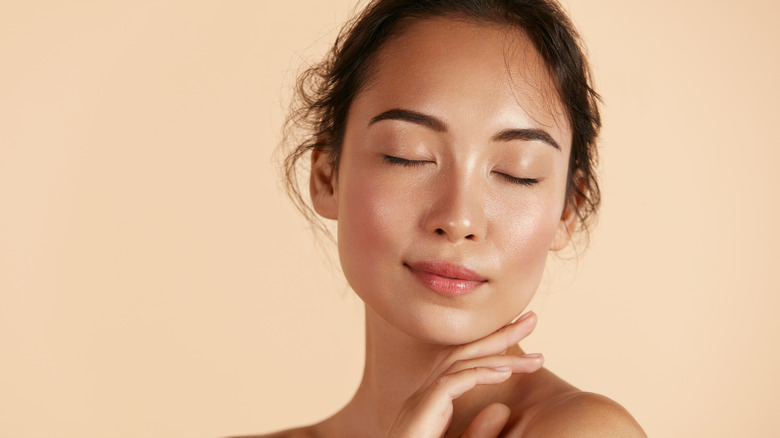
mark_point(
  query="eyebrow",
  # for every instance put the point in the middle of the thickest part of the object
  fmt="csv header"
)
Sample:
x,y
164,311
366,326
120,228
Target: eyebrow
x,y
412,117
430,122
526,134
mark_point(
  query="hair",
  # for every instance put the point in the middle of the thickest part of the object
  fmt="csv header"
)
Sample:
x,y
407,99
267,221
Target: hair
x,y
325,91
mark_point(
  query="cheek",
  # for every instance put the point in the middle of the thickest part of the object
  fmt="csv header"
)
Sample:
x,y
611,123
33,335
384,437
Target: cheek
x,y
367,227
526,238
531,232
531,217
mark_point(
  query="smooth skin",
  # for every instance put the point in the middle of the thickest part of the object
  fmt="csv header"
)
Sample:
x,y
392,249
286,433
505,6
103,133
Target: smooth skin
x,y
455,150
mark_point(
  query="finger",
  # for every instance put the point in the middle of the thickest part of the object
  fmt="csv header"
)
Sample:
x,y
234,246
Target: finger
x,y
526,363
489,422
433,413
448,387
494,344
500,340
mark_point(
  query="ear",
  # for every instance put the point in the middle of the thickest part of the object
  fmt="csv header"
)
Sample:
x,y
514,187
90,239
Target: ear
x,y
565,228
322,185
569,217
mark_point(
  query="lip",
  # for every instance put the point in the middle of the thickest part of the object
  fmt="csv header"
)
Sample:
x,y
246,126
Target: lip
x,y
446,278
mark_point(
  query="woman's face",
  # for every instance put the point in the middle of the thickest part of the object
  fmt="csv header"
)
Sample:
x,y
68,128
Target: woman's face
x,y
451,183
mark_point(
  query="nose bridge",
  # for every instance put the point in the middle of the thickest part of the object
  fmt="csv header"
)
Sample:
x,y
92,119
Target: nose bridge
x,y
457,210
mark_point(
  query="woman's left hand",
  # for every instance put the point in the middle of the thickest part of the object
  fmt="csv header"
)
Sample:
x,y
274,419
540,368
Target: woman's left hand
x,y
428,412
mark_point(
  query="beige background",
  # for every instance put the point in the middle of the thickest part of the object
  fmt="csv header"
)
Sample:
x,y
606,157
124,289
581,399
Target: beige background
x,y
155,283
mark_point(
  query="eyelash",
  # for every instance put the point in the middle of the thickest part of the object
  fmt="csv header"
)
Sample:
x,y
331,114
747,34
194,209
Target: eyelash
x,y
519,181
414,163
403,162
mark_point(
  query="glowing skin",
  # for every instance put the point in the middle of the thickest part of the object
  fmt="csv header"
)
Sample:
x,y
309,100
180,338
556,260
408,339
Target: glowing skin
x,y
449,194
432,180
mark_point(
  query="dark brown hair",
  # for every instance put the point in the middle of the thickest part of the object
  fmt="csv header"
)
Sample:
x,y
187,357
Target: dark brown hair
x,y
325,92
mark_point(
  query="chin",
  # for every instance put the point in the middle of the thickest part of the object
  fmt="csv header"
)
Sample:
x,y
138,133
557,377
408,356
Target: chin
x,y
450,327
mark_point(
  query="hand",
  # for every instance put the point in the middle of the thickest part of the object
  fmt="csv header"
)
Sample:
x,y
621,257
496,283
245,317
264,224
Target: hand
x,y
428,412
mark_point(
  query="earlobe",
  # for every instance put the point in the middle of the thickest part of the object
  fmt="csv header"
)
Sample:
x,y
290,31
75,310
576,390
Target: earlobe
x,y
566,227
570,216
322,185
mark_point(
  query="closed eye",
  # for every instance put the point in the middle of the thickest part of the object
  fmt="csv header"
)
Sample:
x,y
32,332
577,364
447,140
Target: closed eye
x,y
516,180
403,162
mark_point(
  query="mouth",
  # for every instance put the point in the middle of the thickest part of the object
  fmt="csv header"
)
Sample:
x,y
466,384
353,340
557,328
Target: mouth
x,y
446,278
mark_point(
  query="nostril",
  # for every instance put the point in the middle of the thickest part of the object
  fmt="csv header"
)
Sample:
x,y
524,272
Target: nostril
x,y
439,231
470,236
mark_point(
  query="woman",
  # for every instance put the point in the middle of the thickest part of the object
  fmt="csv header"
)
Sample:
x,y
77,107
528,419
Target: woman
x,y
453,141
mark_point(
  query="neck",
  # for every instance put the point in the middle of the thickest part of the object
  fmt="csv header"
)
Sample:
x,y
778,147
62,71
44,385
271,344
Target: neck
x,y
396,366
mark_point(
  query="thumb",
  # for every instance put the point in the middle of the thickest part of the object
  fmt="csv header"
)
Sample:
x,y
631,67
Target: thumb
x,y
489,422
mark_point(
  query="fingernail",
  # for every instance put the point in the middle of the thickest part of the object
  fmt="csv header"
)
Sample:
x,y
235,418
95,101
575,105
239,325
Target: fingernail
x,y
524,317
531,355
502,369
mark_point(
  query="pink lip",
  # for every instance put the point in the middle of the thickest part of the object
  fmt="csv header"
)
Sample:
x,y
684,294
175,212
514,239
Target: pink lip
x,y
446,278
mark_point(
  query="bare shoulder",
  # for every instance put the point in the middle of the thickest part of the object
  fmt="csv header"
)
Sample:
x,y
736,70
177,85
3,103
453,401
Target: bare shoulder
x,y
583,414
548,406
299,432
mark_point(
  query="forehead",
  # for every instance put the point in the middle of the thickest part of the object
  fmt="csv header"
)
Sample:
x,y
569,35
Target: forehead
x,y
493,71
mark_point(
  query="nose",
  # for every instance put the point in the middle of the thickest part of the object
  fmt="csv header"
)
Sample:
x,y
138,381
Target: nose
x,y
457,210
